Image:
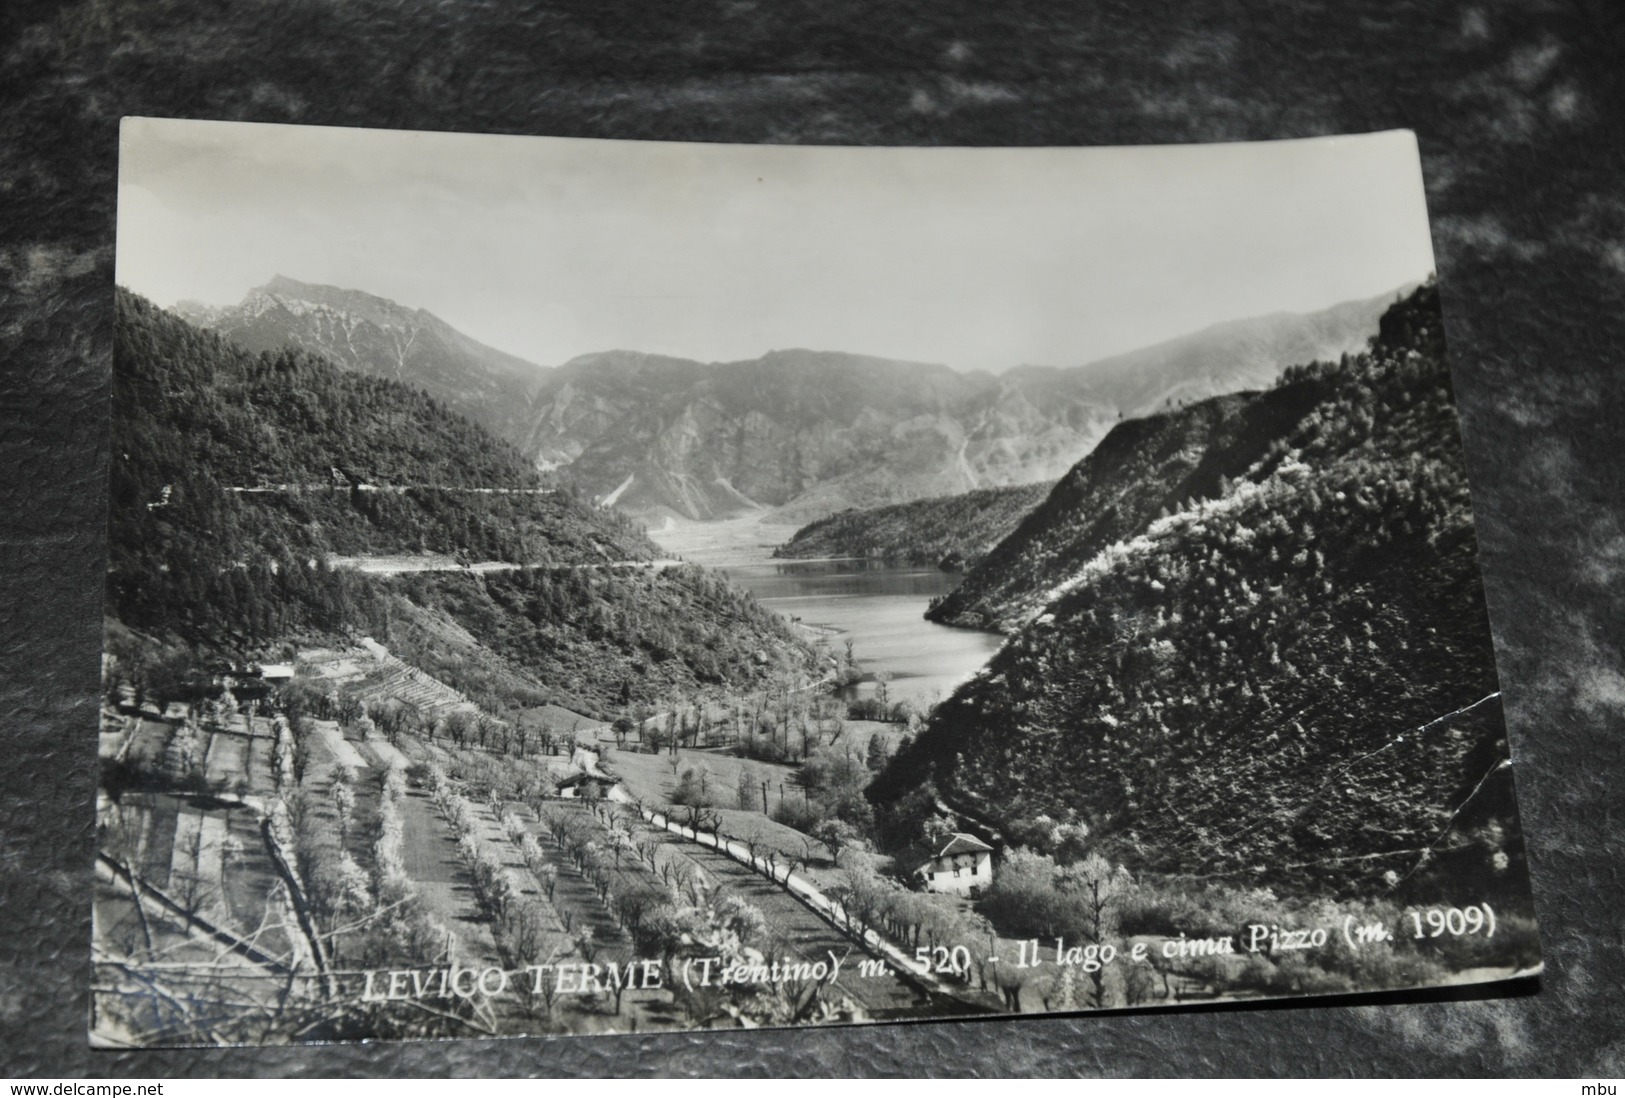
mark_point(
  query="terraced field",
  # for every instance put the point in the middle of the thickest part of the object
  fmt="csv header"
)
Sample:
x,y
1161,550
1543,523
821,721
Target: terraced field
x,y
390,678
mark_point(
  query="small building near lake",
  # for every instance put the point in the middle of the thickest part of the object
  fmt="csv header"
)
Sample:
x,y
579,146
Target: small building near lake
x,y
963,866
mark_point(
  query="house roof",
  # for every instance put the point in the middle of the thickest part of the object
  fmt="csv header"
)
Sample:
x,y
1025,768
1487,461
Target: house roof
x,y
961,843
581,776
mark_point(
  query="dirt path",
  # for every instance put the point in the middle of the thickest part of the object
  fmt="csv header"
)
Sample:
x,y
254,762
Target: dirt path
x,y
159,842
430,857
227,760
399,565
388,754
344,753
807,894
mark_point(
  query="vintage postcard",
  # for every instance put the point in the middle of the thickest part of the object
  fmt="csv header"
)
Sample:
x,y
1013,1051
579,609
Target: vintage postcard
x,y
567,586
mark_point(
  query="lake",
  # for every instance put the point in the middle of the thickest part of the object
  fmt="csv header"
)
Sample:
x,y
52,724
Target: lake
x,y
880,609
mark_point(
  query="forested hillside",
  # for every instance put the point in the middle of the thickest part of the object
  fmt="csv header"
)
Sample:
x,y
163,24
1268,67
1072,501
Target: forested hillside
x,y
606,637
1145,468
236,475
1290,683
347,464
949,531
371,335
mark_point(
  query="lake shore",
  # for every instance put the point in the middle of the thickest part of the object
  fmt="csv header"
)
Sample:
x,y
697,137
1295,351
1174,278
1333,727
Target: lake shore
x,y
878,608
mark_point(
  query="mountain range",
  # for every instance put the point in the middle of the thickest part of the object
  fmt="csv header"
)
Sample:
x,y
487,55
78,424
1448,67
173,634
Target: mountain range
x,y
799,434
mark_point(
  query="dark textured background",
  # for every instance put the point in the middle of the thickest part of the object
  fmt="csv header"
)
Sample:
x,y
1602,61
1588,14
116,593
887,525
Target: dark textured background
x,y
1518,108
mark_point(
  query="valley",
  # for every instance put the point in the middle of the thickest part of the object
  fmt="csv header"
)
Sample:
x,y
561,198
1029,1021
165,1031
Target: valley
x,y
385,704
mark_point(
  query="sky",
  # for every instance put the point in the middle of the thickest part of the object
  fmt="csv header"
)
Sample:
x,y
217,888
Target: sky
x,y
549,248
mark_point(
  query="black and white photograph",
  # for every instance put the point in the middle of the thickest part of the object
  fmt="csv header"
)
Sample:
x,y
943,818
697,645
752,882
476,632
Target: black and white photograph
x,y
568,586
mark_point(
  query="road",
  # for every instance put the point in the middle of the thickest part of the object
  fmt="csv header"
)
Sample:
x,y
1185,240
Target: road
x,y
390,565
809,894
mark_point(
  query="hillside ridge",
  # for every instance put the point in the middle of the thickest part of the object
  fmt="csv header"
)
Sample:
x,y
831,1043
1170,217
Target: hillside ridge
x,y
1311,631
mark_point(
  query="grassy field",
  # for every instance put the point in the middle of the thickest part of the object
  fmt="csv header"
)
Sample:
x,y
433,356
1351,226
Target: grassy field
x,y
651,780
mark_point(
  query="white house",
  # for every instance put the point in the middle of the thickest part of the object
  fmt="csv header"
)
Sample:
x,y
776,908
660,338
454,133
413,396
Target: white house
x,y
963,866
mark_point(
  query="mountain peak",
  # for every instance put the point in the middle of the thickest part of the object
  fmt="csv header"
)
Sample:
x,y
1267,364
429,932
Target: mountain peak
x,y
282,284
803,357
368,334
357,303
